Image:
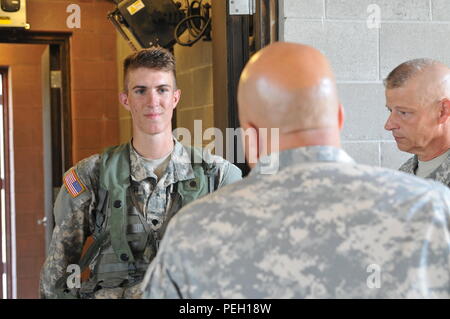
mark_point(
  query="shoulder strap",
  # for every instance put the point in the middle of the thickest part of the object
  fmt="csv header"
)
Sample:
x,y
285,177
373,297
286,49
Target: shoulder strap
x,y
115,178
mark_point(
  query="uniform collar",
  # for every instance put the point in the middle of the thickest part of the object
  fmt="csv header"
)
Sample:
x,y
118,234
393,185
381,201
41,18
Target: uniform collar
x,y
178,169
441,174
301,155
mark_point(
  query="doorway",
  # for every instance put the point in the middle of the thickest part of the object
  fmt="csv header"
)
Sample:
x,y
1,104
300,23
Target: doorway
x,y
40,150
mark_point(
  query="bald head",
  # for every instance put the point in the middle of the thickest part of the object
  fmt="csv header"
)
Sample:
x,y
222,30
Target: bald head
x,y
290,87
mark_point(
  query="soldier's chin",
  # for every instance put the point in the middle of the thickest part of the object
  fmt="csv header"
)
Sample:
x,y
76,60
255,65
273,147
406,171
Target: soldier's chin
x,y
403,148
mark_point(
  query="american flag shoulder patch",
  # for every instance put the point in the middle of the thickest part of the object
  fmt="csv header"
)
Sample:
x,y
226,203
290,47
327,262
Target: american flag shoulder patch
x,y
73,183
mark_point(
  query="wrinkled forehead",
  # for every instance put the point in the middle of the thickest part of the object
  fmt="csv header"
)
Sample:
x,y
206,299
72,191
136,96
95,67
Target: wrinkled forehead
x,y
409,96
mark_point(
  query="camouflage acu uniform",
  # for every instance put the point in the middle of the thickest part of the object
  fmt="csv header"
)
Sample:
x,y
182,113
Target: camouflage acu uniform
x,y
441,174
321,227
74,217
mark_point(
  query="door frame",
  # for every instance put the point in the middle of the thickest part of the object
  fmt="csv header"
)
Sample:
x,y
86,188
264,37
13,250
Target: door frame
x,y
6,185
61,124
240,36
59,43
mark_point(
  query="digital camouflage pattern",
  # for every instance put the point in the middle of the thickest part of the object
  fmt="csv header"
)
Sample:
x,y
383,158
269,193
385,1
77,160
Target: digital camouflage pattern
x,y
74,220
321,227
441,174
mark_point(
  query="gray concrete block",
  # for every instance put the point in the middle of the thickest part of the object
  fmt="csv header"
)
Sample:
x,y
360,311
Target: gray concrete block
x,y
365,111
182,57
363,152
416,10
203,86
440,10
200,54
405,41
391,156
304,8
351,47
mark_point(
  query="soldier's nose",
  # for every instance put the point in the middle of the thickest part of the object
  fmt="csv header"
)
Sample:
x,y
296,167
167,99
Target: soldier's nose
x,y
388,125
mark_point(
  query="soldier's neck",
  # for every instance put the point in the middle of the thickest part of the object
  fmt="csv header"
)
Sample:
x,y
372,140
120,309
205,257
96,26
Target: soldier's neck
x,y
311,137
153,146
434,149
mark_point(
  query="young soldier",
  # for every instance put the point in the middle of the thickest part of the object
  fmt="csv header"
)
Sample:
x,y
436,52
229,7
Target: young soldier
x,y
125,197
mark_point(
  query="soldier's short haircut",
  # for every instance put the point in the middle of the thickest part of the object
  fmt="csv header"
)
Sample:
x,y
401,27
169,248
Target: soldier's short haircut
x,y
405,71
156,58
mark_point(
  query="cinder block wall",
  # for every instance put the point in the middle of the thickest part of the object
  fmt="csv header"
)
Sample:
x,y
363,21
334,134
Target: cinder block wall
x,y
362,57
194,78
125,121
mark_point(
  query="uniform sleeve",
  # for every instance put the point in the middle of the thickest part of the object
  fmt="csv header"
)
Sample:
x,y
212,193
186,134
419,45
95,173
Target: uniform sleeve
x,y
73,225
434,259
228,174
159,283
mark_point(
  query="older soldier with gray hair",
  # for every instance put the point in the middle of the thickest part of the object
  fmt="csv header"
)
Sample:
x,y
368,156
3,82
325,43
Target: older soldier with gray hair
x,y
418,97
322,226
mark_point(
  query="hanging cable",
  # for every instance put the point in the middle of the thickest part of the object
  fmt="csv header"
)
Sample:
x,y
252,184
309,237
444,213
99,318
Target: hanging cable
x,y
198,25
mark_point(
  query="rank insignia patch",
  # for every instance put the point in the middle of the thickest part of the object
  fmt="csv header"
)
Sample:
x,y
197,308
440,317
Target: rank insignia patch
x,y
73,184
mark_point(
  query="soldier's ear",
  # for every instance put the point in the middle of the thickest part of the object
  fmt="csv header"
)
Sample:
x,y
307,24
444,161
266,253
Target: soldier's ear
x,y
176,97
123,98
341,117
251,142
444,111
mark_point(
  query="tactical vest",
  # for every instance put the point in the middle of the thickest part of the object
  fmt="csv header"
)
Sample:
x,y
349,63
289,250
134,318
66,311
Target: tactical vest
x,y
124,243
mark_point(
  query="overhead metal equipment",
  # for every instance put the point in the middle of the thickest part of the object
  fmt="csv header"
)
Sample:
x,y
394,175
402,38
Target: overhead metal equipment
x,y
13,14
147,23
